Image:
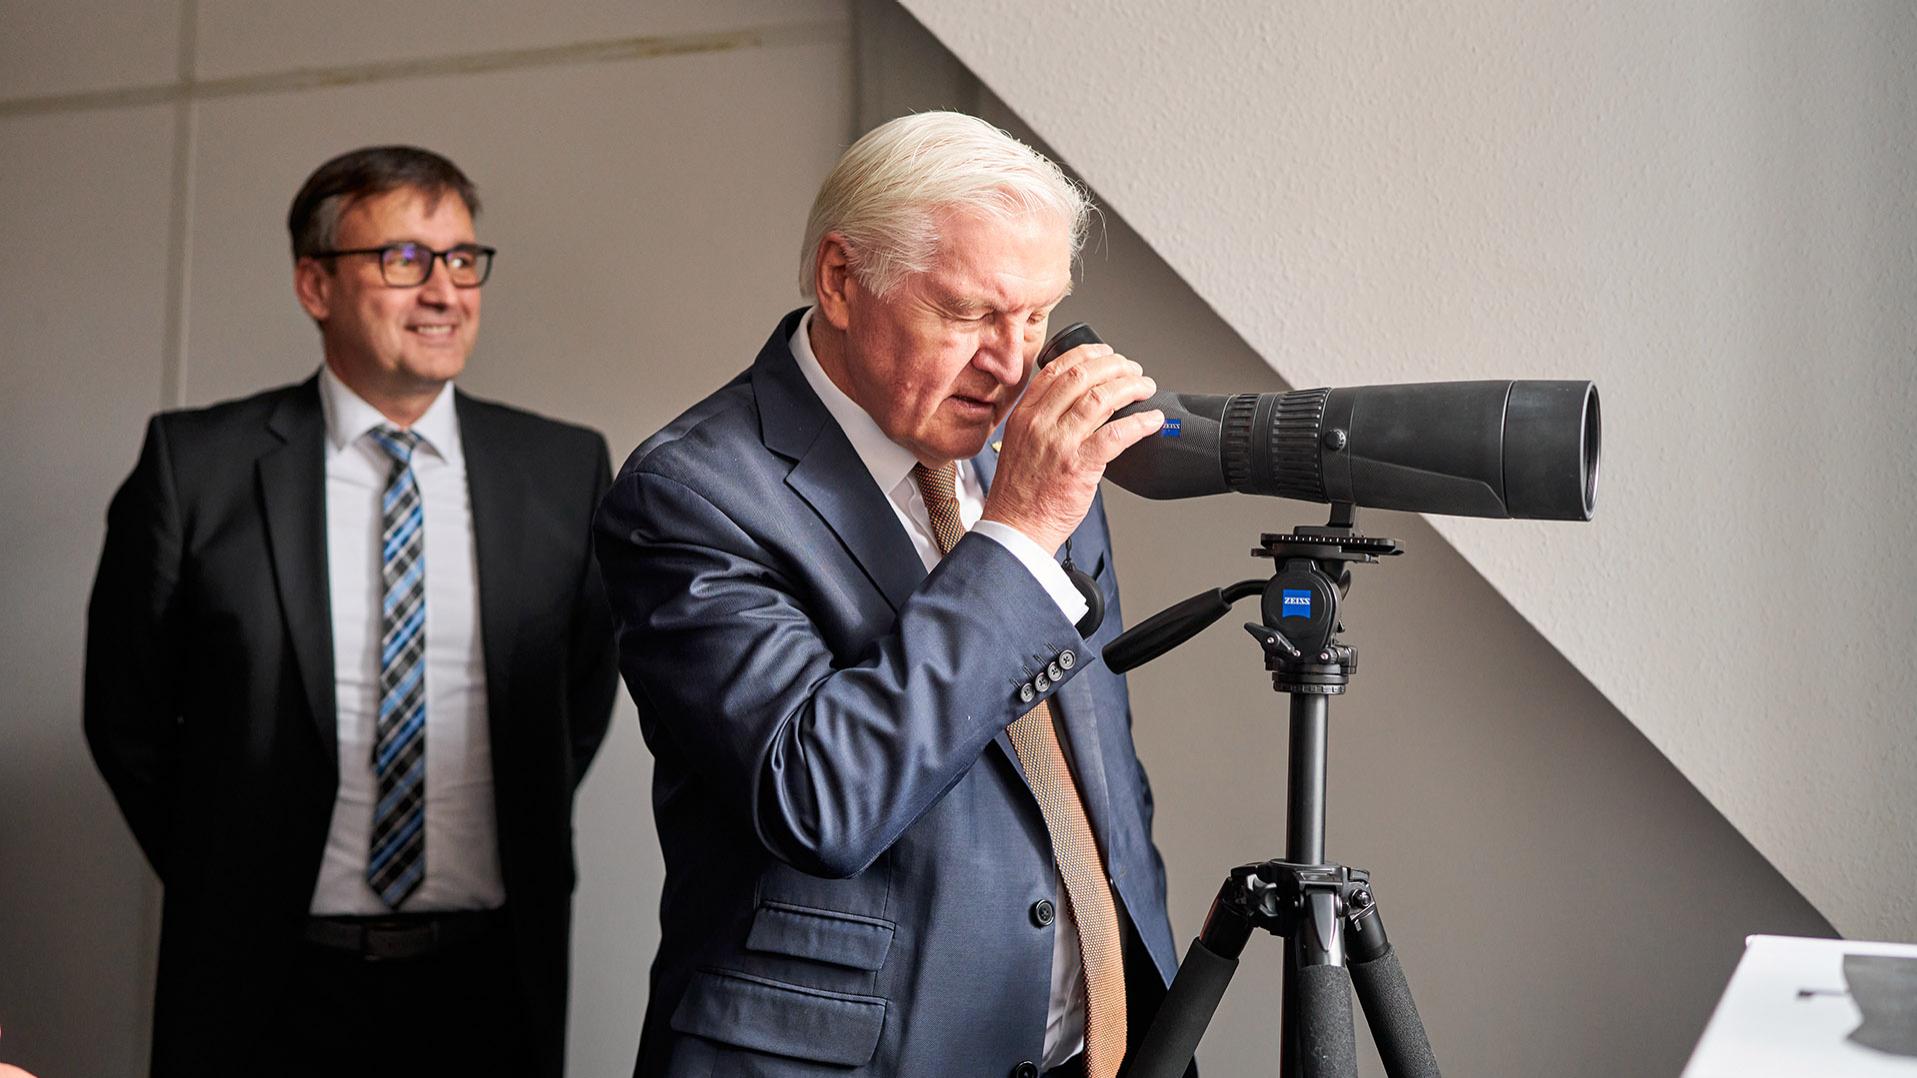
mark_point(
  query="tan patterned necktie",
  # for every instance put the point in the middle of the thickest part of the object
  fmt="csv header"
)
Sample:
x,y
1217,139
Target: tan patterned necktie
x,y
1035,738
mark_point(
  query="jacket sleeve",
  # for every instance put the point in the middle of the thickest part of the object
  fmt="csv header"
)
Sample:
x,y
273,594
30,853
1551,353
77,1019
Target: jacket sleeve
x,y
835,757
593,673
133,652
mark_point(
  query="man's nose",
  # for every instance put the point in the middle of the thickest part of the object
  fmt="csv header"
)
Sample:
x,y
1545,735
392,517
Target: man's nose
x,y
438,289
1001,351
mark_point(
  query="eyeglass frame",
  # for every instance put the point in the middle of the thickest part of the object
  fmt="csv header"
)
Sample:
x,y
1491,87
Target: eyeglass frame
x,y
489,253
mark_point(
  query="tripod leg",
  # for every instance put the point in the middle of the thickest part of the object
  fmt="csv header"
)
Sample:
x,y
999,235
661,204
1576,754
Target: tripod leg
x,y
1288,1021
1174,1035
1318,1037
1201,982
1327,1044
1386,997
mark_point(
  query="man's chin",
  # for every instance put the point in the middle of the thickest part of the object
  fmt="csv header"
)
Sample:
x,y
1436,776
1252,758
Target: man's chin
x,y
952,445
431,372
971,445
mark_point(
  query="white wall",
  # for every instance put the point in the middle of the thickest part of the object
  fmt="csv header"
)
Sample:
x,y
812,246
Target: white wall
x,y
1707,208
645,168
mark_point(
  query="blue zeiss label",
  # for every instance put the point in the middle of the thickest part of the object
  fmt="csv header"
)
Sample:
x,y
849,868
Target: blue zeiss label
x,y
1297,603
1170,429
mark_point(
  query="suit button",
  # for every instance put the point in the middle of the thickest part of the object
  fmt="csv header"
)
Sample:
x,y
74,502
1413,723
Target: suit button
x,y
1055,671
1066,659
1027,1069
1026,693
1041,682
1043,912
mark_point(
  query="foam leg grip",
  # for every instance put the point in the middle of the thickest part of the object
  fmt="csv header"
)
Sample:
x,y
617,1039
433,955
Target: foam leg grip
x,y
1327,1046
1181,1020
1393,1017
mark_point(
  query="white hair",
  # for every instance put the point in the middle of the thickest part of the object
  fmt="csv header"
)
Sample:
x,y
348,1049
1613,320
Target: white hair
x,y
884,197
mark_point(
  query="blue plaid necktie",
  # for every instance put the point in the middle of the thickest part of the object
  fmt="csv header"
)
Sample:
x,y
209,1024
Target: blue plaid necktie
x,y
397,861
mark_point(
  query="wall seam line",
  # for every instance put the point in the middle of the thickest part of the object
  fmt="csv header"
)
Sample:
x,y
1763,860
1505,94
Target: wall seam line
x,y
613,50
179,238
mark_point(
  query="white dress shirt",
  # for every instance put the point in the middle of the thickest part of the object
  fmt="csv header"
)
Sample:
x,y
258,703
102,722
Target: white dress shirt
x,y
462,848
891,468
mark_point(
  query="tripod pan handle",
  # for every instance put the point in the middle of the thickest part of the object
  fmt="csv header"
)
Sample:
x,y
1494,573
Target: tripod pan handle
x,y
1165,630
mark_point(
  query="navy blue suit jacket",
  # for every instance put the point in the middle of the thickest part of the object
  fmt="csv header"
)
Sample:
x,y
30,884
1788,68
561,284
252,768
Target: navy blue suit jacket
x,y
852,854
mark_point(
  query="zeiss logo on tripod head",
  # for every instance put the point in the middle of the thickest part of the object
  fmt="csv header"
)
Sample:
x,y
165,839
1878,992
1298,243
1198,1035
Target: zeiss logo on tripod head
x,y
1297,603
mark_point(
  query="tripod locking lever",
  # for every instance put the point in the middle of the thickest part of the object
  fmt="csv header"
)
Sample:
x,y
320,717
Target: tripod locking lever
x,y
1274,642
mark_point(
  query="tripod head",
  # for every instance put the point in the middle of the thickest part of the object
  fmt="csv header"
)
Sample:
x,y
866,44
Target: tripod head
x,y
1299,624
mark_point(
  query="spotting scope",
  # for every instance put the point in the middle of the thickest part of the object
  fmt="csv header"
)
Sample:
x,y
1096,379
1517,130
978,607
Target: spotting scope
x,y
1514,449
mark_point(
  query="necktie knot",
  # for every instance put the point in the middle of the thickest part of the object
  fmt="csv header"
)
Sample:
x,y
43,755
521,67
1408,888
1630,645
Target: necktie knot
x,y
939,488
936,486
398,444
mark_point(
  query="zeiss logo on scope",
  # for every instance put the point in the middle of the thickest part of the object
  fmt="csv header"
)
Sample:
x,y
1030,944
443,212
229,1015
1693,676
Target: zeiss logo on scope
x,y
1170,429
1297,603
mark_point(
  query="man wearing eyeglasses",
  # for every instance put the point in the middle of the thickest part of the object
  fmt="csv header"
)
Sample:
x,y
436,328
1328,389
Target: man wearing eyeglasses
x,y
347,660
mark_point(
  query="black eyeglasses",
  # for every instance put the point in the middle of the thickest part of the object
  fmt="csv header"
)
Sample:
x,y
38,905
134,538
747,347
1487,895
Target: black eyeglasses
x,y
408,265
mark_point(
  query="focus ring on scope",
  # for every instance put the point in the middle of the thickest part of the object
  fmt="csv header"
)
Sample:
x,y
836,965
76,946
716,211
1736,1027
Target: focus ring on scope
x,y
1234,439
1297,425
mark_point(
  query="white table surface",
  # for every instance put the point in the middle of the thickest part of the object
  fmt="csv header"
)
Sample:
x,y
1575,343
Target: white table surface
x,y
1765,1026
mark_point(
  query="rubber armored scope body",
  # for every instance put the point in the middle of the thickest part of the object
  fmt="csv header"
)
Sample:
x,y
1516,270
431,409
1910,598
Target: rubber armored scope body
x,y
1515,449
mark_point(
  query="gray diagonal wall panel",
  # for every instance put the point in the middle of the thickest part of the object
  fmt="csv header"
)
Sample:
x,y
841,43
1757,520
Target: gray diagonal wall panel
x,y
1708,209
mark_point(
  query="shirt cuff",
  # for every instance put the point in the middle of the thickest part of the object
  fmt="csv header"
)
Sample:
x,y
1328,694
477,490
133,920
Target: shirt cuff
x,y
1039,564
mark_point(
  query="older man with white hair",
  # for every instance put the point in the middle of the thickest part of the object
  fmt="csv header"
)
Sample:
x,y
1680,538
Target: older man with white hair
x,y
905,828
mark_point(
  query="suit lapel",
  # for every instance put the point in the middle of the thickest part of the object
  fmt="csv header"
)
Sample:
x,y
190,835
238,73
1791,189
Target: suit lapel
x,y
499,495
859,514
292,491
828,473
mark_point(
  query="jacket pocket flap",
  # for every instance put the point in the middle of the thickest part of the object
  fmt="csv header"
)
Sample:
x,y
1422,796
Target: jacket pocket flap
x,y
783,1019
842,939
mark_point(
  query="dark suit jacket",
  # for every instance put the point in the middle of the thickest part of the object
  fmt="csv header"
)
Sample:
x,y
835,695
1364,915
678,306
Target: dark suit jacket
x,y
852,854
209,694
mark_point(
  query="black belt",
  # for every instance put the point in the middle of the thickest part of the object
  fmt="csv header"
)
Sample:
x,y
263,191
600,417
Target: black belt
x,y
401,936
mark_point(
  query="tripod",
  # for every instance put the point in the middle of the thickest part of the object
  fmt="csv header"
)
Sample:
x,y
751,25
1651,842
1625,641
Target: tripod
x,y
1334,938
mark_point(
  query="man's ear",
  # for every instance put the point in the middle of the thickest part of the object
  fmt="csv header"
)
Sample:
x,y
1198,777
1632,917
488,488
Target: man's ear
x,y
834,282
314,285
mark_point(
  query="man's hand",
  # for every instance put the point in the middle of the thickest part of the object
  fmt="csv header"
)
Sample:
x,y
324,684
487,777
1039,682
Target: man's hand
x,y
1058,441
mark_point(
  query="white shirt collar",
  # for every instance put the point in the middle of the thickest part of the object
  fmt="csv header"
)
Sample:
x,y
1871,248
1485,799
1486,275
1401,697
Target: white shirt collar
x,y
349,417
888,461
